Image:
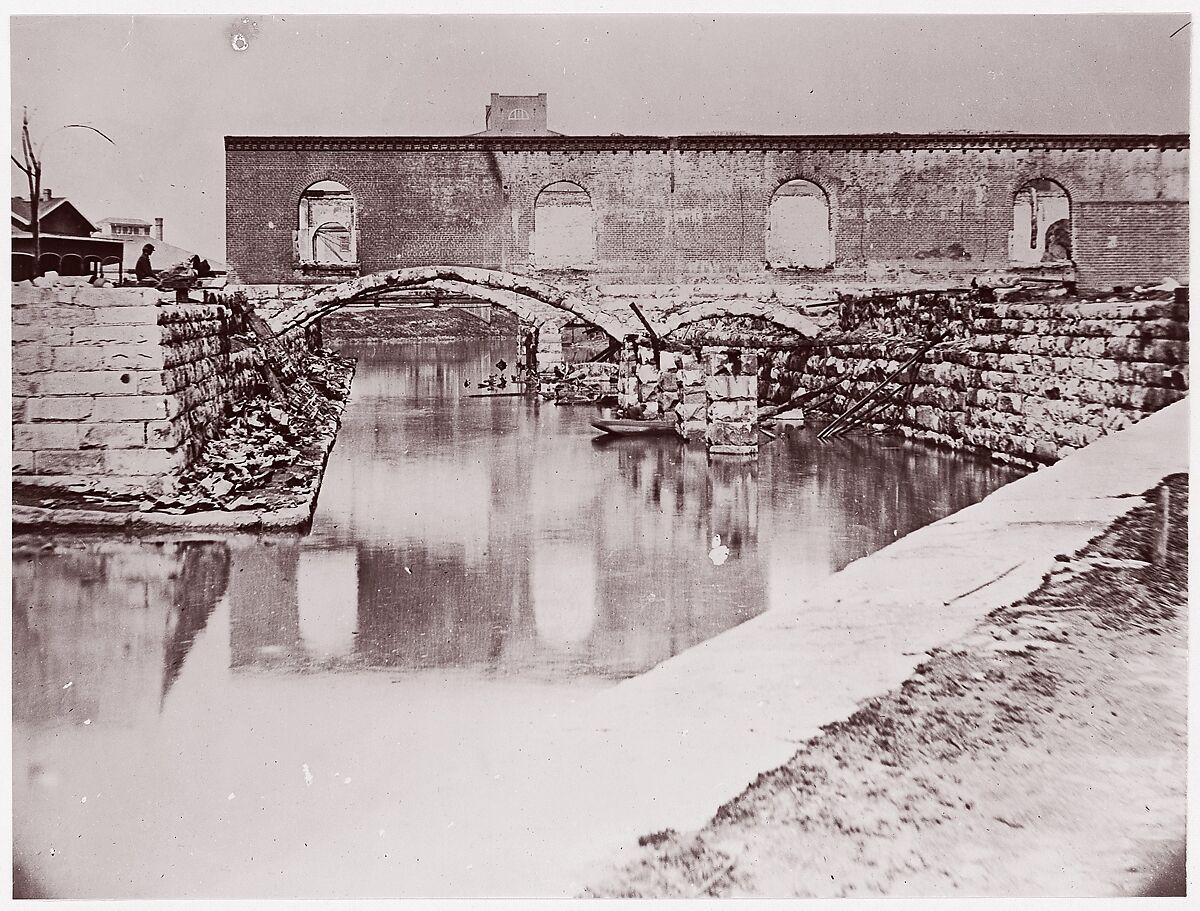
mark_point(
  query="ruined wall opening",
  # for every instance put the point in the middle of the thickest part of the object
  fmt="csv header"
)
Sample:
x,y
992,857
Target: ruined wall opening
x,y
1041,223
799,233
326,233
564,228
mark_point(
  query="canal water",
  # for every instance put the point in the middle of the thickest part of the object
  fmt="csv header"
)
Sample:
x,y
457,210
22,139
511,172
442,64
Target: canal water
x,y
337,715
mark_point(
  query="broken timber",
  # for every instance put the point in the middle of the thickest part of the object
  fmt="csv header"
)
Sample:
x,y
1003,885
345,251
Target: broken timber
x,y
839,424
282,372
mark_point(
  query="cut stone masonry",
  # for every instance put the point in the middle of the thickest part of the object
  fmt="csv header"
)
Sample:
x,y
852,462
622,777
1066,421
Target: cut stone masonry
x,y
118,387
1028,381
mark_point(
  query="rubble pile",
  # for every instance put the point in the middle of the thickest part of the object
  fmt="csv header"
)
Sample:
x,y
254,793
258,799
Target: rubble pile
x,y
587,383
269,455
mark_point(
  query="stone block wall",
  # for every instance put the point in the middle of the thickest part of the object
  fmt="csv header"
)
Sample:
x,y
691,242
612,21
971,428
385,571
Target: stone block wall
x,y
549,356
731,385
203,375
691,413
638,376
118,387
1028,381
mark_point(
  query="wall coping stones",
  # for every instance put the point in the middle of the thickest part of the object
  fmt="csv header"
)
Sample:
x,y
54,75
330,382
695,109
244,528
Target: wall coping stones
x,y
864,141
85,296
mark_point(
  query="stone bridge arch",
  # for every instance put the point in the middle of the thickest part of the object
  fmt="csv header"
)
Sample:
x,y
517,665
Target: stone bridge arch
x,y
514,292
776,313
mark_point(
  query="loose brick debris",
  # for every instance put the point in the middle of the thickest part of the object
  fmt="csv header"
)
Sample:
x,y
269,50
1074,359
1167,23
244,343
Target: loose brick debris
x,y
587,383
269,454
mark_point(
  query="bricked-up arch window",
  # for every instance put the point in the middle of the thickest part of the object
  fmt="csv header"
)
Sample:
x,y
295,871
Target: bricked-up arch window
x,y
799,234
518,114
326,231
1041,223
564,229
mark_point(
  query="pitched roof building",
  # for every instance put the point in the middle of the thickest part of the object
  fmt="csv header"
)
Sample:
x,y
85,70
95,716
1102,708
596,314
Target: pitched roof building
x,y
56,215
65,244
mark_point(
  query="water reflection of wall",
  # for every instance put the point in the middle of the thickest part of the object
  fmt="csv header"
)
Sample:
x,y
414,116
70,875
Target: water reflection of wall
x,y
409,462
264,613
101,630
326,578
495,535
661,591
564,584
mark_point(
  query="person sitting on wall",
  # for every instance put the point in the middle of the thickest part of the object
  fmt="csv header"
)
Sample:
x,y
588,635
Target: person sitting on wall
x,y
201,267
143,271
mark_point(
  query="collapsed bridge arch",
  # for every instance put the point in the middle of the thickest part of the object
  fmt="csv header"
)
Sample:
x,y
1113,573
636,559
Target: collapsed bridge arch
x,y
514,292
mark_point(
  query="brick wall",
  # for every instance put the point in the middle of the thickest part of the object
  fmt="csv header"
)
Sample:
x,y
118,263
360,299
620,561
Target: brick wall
x,y
694,207
1027,381
1130,243
117,386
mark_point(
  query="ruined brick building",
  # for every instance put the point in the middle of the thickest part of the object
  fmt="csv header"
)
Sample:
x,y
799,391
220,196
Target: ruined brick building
x,y
1102,210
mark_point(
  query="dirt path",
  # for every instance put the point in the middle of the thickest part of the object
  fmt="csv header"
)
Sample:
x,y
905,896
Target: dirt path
x,y
1044,754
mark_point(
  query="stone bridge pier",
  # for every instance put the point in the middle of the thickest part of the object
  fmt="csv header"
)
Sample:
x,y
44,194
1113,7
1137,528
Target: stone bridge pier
x,y
713,397
548,358
731,387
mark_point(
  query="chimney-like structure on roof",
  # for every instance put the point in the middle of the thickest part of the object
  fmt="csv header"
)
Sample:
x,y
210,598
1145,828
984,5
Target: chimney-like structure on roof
x,y
158,229
46,193
517,115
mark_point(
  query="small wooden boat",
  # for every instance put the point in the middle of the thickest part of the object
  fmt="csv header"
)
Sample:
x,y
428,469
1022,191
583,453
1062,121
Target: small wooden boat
x,y
626,427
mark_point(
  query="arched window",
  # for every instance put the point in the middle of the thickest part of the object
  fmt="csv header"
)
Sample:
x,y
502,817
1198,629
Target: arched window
x,y
327,225
518,114
564,232
1041,223
799,235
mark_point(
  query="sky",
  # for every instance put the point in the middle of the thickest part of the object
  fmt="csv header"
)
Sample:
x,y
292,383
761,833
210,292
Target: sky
x,y
167,89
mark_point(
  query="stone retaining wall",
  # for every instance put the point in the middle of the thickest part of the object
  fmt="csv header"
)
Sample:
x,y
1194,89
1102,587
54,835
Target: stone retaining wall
x,y
118,387
1027,380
